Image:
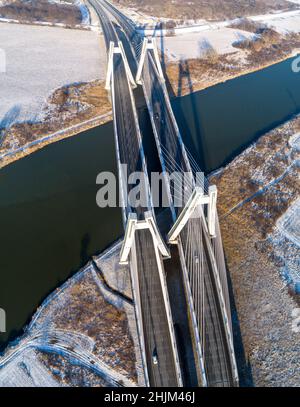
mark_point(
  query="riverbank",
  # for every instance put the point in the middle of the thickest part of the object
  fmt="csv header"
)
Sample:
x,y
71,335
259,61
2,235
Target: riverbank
x,y
85,106
186,76
258,199
69,111
74,108
84,333
45,12
16,154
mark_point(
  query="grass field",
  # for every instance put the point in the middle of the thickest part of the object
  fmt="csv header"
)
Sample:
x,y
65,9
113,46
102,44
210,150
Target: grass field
x,y
211,10
41,10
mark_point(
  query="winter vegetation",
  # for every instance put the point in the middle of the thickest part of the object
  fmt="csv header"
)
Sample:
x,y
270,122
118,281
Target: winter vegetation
x,y
259,213
208,10
84,334
49,84
220,53
72,13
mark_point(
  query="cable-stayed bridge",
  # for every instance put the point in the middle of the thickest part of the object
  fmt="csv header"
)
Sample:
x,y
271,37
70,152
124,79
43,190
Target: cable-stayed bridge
x,y
189,232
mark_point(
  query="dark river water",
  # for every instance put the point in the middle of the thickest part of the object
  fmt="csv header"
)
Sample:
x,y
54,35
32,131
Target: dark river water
x,y
50,224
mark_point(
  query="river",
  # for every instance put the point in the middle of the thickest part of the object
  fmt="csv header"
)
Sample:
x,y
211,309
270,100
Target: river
x,y
50,224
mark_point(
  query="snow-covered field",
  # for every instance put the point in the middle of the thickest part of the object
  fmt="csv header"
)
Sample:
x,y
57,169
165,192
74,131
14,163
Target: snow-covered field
x,y
26,370
190,41
289,223
194,45
282,22
286,241
294,142
40,60
21,363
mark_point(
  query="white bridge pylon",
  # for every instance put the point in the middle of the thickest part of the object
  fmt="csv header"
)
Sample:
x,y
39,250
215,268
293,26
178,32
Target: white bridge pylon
x,y
149,44
110,66
148,223
196,199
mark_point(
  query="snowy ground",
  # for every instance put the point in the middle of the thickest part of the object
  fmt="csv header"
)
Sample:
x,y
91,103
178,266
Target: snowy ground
x,y
259,214
187,44
282,22
286,242
286,236
194,45
40,60
117,276
27,371
189,40
84,323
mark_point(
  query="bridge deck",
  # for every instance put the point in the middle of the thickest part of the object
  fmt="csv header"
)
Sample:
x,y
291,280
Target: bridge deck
x,y
155,321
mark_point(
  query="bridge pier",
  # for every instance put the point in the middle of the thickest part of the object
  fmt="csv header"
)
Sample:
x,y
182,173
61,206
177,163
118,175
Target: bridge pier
x,y
196,199
149,44
132,226
117,50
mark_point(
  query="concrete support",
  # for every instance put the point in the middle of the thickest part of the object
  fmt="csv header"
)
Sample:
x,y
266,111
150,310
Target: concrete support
x,y
193,202
196,199
163,283
132,225
141,62
149,44
128,238
110,66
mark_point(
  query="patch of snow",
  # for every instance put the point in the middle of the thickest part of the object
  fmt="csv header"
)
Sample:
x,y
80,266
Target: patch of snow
x,y
42,334
289,223
294,142
286,242
84,12
192,45
118,278
40,60
25,370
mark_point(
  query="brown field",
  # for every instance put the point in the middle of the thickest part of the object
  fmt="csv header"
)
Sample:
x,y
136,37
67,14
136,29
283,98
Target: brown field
x,y
72,104
187,76
210,10
254,191
270,47
41,10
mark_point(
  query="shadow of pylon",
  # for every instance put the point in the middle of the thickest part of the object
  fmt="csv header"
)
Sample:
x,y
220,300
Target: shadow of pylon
x,y
159,29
